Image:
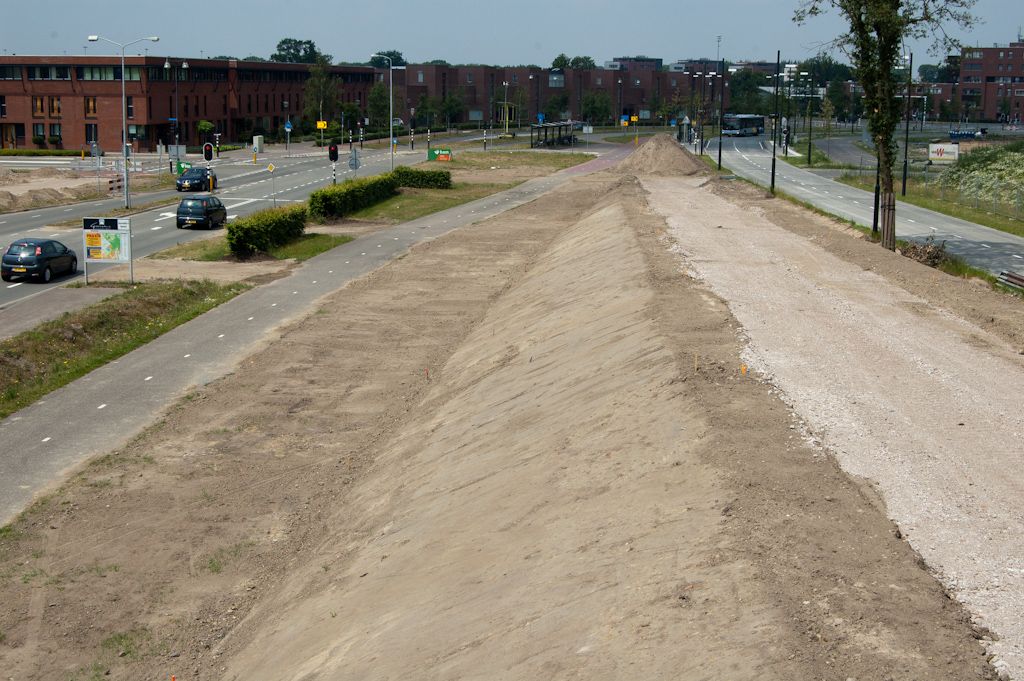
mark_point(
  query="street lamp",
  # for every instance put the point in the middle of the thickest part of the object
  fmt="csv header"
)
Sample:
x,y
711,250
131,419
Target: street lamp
x,y
184,67
124,110
391,106
505,83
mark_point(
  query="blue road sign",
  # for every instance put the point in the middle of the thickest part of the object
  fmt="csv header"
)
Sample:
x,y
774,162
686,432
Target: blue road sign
x,y
288,126
540,117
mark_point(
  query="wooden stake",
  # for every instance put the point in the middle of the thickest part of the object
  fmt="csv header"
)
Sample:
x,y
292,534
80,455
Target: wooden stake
x,y
695,364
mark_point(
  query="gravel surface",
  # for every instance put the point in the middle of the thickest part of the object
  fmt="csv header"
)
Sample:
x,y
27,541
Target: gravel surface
x,y
924,404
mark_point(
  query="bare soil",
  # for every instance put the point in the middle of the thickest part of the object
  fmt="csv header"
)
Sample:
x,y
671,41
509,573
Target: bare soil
x,y
529,449
46,186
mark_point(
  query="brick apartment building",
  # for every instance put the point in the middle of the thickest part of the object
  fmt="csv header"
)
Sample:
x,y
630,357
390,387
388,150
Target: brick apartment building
x,y
483,88
992,82
70,102
77,100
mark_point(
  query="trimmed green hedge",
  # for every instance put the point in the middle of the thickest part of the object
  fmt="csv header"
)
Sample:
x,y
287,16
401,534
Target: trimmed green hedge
x,y
350,196
423,179
40,152
266,229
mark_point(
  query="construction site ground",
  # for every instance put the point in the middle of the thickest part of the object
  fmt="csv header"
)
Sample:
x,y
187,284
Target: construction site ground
x,y
655,425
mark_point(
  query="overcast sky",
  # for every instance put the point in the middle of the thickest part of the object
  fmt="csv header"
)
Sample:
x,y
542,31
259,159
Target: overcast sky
x,y
459,31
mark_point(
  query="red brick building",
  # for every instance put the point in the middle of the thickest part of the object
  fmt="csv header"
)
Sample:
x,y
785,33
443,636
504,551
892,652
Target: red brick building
x,y
992,82
69,102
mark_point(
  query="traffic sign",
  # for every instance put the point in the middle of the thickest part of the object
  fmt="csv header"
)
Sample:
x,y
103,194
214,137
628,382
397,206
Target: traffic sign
x,y
634,119
354,163
321,125
288,126
672,122
540,117
271,167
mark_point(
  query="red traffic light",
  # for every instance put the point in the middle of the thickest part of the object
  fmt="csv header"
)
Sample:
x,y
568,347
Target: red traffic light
x,y
208,151
332,152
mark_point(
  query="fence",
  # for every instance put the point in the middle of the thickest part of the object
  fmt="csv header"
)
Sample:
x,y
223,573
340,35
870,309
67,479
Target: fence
x,y
967,189
977,191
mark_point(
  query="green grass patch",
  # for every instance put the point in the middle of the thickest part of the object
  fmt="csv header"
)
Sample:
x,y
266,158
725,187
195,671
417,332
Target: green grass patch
x,y
916,196
62,350
210,249
819,159
513,159
308,246
411,203
624,139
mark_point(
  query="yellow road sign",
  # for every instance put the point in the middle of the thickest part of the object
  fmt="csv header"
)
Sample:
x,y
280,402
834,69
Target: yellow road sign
x,y
634,119
625,123
321,125
271,167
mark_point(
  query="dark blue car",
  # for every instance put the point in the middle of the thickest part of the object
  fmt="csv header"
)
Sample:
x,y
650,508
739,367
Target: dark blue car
x,y
37,259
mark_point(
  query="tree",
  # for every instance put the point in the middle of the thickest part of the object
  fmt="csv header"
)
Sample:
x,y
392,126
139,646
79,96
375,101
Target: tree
x,y
949,71
555,106
582,63
377,106
438,62
874,40
745,91
320,92
381,63
428,108
453,106
223,56
596,105
560,62
295,51
929,73
204,128
836,97
823,69
253,57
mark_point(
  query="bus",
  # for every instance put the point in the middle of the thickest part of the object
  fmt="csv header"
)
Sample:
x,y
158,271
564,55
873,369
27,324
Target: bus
x,y
741,125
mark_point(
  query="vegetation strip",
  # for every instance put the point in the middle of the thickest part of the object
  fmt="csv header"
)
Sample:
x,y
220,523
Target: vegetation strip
x,y
60,351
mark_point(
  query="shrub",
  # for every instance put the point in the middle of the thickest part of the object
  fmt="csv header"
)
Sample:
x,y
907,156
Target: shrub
x,y
423,179
266,229
343,199
38,140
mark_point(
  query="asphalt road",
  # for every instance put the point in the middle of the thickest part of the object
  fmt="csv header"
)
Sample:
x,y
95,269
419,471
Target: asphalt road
x,y
982,247
104,410
243,186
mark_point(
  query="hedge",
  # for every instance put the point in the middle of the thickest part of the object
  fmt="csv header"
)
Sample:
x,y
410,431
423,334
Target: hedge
x,y
423,179
266,229
40,152
350,196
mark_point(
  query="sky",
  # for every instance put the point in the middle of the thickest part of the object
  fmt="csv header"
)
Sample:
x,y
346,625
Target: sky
x,y
458,31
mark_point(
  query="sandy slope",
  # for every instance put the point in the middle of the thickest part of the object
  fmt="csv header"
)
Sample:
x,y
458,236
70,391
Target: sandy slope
x,y
529,449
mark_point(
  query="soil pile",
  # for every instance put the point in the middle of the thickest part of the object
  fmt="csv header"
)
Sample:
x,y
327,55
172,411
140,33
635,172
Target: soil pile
x,y
662,155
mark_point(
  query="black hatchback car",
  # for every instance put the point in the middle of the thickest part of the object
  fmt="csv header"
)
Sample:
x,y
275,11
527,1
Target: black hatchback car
x,y
201,211
197,179
37,259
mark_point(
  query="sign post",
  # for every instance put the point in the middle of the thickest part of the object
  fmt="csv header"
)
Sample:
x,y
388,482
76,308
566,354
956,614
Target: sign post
x,y
354,162
273,185
107,240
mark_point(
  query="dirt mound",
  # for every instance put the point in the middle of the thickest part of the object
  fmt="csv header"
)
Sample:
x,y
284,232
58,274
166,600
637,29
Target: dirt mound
x,y
40,173
7,176
661,155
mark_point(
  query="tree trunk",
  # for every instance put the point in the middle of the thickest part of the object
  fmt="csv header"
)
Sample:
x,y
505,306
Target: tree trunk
x,y
887,207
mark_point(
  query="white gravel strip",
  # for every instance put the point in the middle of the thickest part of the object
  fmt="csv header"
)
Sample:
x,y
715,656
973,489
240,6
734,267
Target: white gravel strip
x,y
925,404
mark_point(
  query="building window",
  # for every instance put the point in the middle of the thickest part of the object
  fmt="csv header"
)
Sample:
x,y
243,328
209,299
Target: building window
x,y
90,107
3,107
38,129
37,107
999,92
419,76
224,106
204,105
556,80
469,77
1000,67
10,73
195,106
599,80
266,103
92,132
130,103
54,129
185,109
248,104
673,82
515,78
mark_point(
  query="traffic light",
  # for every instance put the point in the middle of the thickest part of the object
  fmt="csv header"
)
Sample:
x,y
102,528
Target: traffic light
x,y
332,152
208,151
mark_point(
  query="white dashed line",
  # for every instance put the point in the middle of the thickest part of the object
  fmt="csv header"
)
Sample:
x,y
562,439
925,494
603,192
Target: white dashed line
x,y
187,356
46,439
102,406
147,378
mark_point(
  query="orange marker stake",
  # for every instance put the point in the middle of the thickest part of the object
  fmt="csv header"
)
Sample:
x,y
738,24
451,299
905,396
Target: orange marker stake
x,y
695,363
743,369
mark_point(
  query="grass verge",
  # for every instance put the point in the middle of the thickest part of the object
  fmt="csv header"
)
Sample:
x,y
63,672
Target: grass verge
x,y
916,196
625,139
216,248
118,212
473,160
413,203
62,350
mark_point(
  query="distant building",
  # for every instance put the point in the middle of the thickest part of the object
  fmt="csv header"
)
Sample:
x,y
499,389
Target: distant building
x,y
992,82
637,63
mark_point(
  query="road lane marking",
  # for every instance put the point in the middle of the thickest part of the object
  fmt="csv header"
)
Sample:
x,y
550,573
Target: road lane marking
x,y
985,246
102,406
147,378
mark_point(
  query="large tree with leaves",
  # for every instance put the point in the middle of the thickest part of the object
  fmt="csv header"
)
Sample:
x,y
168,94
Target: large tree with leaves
x,y
320,91
295,51
874,43
380,62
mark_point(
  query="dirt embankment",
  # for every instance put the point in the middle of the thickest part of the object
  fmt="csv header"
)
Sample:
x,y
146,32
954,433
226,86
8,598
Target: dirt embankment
x,y
527,449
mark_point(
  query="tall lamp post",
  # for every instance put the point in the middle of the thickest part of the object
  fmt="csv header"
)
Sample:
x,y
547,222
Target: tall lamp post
x,y
505,83
184,67
124,110
906,137
391,106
